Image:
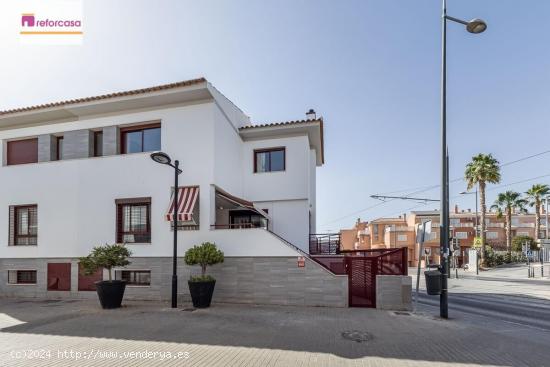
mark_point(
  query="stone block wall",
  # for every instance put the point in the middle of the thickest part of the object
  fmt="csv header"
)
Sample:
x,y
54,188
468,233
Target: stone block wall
x,y
394,292
251,280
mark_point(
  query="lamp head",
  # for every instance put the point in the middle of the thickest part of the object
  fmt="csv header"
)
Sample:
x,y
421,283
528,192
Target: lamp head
x,y
161,158
476,26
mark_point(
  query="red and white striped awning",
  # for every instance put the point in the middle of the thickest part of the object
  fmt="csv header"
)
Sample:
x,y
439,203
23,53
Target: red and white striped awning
x,y
187,199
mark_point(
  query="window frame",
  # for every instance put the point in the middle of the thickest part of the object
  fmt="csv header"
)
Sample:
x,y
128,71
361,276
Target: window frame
x,y
119,205
96,134
131,284
59,152
269,150
130,129
16,208
17,277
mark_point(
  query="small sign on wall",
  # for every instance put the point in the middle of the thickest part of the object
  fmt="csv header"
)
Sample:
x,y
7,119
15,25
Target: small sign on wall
x,y
301,262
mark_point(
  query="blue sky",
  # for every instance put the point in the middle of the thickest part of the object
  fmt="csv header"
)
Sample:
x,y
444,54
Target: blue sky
x,y
370,68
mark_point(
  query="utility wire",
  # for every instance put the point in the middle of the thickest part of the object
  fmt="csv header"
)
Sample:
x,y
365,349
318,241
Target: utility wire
x,y
429,188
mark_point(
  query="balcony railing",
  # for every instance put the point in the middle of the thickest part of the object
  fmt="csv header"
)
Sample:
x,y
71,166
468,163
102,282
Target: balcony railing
x,y
237,226
324,244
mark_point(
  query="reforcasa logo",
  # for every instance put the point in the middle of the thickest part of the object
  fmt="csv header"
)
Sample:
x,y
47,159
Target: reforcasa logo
x,y
28,20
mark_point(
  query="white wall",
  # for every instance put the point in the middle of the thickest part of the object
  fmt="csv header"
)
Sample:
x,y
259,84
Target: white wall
x,y
76,198
313,190
284,185
290,220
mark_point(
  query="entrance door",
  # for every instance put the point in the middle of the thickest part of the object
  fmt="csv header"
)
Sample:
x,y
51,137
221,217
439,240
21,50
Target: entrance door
x,y
59,276
361,281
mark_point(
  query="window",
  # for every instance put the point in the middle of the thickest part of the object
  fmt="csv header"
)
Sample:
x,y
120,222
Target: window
x,y
140,139
23,225
269,160
461,235
455,222
21,276
59,148
98,143
402,237
523,234
246,219
134,277
492,235
134,220
375,231
22,151
515,222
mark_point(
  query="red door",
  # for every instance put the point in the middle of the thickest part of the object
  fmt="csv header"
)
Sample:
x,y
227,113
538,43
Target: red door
x,y
59,276
86,282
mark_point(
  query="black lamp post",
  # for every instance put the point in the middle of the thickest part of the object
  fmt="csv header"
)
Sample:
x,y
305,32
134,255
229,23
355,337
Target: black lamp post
x,y
164,158
474,26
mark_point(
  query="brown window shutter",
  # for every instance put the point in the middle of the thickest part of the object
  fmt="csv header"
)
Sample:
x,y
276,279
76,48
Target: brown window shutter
x,y
119,223
11,239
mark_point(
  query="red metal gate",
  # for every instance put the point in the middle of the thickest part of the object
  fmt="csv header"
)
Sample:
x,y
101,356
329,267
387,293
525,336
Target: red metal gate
x,y
361,281
362,269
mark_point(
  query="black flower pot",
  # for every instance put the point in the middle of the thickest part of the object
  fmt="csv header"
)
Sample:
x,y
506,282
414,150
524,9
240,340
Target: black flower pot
x,y
201,292
110,293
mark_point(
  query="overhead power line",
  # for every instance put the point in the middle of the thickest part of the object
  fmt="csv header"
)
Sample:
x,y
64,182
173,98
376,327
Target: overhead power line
x,y
428,188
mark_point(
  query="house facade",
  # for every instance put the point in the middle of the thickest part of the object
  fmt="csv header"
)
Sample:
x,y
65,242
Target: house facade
x,y
78,174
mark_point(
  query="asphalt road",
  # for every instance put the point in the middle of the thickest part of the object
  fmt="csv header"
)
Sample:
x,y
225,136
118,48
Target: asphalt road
x,y
496,297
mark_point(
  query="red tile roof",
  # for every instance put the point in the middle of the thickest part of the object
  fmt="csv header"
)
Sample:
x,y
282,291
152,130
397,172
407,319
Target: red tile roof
x,y
107,96
296,122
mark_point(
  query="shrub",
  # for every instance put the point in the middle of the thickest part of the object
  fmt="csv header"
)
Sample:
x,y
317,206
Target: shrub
x,y
519,241
107,257
204,255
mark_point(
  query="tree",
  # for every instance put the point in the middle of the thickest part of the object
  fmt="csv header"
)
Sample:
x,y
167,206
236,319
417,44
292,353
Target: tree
x,y
519,241
205,254
506,203
483,169
535,195
107,257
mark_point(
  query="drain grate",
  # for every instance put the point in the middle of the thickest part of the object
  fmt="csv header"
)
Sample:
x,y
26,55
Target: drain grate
x,y
357,336
402,313
189,309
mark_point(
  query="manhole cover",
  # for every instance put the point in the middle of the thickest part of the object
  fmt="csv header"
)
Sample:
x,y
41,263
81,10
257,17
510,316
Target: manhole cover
x,y
357,336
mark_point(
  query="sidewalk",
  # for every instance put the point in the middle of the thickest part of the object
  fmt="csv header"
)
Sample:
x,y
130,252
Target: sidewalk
x,y
78,332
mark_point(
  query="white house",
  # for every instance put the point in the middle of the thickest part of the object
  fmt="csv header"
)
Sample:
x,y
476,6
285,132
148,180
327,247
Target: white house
x,y
78,173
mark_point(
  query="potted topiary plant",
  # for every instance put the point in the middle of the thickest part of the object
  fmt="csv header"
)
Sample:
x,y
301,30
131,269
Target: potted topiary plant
x,y
110,292
202,287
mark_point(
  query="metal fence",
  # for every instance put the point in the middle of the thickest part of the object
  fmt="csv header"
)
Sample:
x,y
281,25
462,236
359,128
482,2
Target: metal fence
x,y
324,244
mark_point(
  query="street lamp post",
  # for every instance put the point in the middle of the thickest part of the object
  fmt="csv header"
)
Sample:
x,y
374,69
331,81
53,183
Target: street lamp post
x,y
474,26
164,158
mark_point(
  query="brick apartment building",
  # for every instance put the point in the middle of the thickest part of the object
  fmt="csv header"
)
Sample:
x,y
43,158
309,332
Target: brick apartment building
x,y
402,231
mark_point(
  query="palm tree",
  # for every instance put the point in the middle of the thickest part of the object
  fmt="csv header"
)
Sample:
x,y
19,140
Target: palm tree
x,y
508,202
535,195
483,169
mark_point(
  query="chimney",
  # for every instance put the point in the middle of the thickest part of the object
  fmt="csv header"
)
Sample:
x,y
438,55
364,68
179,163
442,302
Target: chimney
x,y
469,210
405,216
456,208
311,115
